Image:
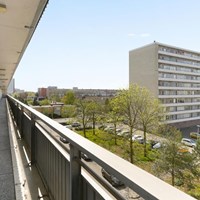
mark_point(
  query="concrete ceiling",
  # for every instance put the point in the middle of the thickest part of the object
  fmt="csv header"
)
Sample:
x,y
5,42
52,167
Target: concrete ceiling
x,y
18,22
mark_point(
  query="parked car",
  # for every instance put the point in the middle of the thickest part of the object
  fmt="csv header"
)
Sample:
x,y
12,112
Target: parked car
x,y
118,130
111,178
64,140
109,129
155,144
194,135
138,138
85,157
76,124
124,133
101,126
188,142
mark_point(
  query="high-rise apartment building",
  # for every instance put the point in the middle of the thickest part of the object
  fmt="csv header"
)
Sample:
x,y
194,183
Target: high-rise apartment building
x,y
173,75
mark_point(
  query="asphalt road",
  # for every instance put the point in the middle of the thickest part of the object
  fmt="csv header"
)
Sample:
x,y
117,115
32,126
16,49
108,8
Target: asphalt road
x,y
186,131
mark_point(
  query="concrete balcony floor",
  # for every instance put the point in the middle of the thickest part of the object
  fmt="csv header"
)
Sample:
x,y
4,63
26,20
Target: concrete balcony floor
x,y
7,185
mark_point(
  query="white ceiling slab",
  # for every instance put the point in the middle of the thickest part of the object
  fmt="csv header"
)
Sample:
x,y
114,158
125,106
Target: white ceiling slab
x,y
18,22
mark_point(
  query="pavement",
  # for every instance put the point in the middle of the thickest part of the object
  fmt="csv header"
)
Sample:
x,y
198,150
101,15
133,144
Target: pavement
x,y
7,186
186,131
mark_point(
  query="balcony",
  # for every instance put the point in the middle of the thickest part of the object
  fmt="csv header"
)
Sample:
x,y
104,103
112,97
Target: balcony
x,y
34,163
64,174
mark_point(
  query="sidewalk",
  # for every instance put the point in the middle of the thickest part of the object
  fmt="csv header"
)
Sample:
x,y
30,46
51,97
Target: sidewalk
x,y
7,189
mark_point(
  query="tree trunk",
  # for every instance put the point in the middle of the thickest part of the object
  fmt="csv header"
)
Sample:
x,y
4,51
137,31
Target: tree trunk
x,y
93,126
131,146
115,134
84,131
145,144
172,173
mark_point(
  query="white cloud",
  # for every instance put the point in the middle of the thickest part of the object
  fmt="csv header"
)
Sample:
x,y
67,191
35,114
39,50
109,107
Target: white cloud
x,y
131,34
144,34
138,35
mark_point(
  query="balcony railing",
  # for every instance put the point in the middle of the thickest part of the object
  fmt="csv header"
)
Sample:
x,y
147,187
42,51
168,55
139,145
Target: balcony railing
x,y
67,176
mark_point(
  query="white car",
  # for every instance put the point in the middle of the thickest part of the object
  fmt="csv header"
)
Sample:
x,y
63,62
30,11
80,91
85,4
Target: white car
x,y
188,142
157,145
137,138
123,133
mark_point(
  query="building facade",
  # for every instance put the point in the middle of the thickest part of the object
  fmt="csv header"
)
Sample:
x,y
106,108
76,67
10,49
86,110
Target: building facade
x,y
42,92
173,75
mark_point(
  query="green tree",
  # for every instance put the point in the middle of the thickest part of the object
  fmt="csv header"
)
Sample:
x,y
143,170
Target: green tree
x,y
94,109
54,97
150,113
68,111
174,160
197,149
114,115
44,102
83,111
127,102
69,98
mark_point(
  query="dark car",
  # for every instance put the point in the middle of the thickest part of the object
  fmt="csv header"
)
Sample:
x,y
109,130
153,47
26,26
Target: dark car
x,y
85,157
76,124
64,140
115,182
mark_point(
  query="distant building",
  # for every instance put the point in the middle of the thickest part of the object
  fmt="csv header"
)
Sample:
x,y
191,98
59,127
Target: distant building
x,y
18,91
95,93
173,75
42,92
80,93
51,90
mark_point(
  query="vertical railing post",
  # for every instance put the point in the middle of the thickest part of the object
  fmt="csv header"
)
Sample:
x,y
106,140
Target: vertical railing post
x,y
75,174
18,114
21,124
33,139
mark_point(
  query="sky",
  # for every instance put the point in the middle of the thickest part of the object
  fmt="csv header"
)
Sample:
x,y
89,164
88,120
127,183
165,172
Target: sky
x,y
86,44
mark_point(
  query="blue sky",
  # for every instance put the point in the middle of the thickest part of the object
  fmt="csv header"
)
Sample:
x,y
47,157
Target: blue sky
x,y
86,44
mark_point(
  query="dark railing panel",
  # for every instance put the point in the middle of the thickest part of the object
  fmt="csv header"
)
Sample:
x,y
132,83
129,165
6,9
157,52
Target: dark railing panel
x,y
89,192
26,130
53,167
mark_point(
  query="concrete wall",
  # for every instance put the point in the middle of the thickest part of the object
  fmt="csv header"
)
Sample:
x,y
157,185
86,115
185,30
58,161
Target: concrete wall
x,y
143,67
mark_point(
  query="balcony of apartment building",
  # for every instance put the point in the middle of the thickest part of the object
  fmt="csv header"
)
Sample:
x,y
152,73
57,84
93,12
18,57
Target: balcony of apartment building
x,y
179,53
34,162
